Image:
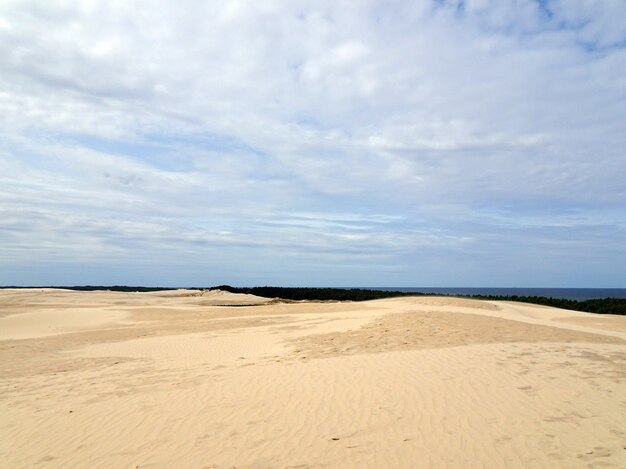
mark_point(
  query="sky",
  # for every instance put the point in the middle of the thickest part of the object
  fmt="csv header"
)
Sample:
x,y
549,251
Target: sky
x,y
313,143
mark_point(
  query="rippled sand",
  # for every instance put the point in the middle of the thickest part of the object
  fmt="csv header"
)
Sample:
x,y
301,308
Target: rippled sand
x,y
182,379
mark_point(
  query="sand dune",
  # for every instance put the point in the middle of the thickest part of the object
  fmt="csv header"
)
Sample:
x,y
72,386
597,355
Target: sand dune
x,y
176,379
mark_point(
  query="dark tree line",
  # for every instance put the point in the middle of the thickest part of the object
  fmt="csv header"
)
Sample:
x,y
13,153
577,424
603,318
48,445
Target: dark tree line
x,y
316,294
600,306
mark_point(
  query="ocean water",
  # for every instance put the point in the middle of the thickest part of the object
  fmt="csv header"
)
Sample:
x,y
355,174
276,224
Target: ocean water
x,y
566,293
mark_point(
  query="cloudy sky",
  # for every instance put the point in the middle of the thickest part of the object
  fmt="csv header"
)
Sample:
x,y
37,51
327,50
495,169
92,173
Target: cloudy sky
x,y
320,143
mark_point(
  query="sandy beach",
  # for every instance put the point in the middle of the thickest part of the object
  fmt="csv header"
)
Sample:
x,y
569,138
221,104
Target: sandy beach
x,y
217,380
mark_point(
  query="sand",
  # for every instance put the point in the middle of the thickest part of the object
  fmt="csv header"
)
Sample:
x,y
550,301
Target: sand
x,y
185,379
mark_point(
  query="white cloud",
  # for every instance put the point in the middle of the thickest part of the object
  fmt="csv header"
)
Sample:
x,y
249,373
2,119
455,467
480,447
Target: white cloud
x,y
219,121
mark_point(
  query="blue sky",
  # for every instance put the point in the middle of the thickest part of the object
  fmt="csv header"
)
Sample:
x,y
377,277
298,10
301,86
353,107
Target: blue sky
x,y
370,143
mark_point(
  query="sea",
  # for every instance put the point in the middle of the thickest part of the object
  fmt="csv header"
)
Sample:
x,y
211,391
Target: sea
x,y
579,294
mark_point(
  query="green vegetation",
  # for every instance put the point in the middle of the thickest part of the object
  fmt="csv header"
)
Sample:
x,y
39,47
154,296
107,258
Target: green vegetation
x,y
317,294
600,306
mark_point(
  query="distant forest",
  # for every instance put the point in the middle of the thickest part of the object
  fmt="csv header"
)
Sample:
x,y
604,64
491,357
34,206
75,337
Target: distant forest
x,y
600,306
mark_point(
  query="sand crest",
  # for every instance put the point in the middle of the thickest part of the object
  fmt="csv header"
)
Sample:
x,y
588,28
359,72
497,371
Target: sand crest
x,y
182,379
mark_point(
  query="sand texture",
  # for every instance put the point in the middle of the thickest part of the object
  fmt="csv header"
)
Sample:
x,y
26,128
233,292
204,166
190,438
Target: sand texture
x,y
216,380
